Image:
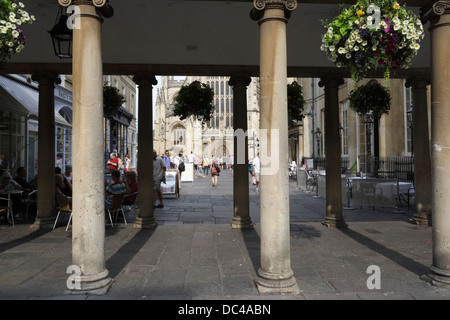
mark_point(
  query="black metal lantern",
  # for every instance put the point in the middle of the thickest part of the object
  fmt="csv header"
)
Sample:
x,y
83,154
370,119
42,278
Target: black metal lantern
x,y
62,36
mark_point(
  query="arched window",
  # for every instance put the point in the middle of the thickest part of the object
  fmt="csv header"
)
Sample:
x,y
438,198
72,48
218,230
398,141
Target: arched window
x,y
179,135
66,113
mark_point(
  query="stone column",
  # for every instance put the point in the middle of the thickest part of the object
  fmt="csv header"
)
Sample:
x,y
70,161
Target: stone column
x,y
422,159
46,151
275,273
334,217
241,218
439,17
88,231
145,217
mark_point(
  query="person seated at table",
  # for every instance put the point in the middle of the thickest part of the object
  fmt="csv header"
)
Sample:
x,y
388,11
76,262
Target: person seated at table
x,y
131,186
116,187
63,187
7,184
22,180
68,173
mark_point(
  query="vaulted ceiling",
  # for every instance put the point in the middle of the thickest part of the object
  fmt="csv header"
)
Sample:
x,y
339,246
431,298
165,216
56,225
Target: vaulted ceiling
x,y
187,37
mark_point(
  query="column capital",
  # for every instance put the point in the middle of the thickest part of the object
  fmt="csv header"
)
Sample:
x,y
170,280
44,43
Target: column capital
x,y
145,80
259,6
239,80
331,81
96,3
103,8
46,78
439,8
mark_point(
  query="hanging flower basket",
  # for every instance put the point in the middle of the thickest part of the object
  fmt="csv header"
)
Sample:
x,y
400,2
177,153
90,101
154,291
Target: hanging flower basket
x,y
372,34
195,100
112,101
12,38
295,103
371,98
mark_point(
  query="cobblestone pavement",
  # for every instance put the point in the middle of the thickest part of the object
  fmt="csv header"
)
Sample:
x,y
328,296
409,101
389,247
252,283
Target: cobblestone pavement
x,y
193,254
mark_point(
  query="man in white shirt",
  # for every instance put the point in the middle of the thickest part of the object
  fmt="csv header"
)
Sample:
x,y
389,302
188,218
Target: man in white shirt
x,y
176,161
256,168
191,158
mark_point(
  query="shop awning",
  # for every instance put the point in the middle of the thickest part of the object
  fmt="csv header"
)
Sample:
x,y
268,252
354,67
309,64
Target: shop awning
x,y
26,99
8,103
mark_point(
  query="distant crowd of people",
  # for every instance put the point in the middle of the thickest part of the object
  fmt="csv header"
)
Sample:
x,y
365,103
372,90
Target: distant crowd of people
x,y
123,178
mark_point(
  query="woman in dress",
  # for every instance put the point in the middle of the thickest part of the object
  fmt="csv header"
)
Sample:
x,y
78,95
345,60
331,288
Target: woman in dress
x,y
214,168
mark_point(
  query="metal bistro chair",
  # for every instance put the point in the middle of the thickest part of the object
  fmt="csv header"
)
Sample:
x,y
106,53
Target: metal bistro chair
x,y
64,208
132,205
311,180
31,200
7,208
116,207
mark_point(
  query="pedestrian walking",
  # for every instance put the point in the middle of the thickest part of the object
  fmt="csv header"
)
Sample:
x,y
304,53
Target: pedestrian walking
x,y
257,171
215,172
159,175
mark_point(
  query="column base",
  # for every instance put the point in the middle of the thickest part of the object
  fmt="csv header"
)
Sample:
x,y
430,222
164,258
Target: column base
x,y
438,277
241,223
421,219
98,284
43,223
145,223
331,222
270,283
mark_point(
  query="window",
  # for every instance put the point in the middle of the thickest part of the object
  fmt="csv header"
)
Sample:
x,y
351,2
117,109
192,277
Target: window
x,y
12,138
64,145
179,136
345,128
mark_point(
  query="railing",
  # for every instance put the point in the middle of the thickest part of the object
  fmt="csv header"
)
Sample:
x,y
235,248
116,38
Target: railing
x,y
361,191
401,168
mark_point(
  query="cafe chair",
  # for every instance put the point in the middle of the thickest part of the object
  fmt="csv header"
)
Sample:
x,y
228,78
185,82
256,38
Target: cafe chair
x,y
133,205
116,208
6,206
31,200
64,208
